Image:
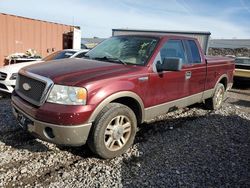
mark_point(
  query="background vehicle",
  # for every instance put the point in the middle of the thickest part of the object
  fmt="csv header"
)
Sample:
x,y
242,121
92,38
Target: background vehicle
x,y
126,80
8,73
242,69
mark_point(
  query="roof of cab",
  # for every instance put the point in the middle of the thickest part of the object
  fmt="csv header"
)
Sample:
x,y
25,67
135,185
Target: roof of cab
x,y
157,36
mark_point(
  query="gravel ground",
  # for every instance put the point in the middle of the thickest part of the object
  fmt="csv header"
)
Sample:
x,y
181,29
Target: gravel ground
x,y
192,147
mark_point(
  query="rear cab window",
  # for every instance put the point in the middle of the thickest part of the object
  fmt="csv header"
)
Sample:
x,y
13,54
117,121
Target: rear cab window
x,y
194,56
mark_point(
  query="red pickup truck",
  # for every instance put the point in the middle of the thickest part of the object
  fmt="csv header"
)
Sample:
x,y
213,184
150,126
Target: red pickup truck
x,y
124,81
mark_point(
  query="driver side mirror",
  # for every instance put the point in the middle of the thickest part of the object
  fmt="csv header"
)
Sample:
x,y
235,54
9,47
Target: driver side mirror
x,y
169,64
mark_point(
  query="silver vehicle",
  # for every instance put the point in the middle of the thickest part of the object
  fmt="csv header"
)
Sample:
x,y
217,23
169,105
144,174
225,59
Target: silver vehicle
x,y
8,73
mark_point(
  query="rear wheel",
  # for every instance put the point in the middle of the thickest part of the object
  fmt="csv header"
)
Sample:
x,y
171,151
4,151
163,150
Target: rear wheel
x,y
215,102
113,132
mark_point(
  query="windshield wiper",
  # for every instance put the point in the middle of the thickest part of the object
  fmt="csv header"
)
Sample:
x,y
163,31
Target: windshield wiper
x,y
112,59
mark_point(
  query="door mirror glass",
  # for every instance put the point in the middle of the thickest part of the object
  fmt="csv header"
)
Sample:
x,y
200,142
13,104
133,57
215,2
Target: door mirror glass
x,y
169,64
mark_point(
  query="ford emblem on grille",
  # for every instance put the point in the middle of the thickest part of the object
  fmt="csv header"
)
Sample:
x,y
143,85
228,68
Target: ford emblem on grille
x,y
26,87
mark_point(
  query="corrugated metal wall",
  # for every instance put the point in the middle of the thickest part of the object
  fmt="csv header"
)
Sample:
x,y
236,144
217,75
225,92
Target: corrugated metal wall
x,y
202,37
18,34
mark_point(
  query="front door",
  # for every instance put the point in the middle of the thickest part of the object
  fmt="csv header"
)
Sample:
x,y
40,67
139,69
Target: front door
x,y
168,86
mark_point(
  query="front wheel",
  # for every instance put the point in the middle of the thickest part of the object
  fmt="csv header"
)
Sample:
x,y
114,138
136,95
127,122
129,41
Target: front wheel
x,y
215,102
113,132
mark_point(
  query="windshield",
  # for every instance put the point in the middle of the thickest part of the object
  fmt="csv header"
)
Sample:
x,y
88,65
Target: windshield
x,y
243,61
124,49
59,55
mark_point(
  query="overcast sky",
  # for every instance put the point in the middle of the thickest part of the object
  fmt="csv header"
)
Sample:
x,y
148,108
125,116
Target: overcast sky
x,y
224,19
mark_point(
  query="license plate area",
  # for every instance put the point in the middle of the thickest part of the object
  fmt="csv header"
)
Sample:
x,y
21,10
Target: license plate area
x,y
24,121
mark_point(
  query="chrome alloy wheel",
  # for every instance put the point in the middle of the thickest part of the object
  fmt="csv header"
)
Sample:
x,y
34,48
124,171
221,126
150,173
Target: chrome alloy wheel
x,y
117,133
219,97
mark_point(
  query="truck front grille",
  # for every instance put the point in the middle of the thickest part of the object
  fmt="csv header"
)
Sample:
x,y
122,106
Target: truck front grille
x,y
3,76
33,89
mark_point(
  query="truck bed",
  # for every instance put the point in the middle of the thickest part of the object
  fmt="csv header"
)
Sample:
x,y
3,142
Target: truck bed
x,y
218,59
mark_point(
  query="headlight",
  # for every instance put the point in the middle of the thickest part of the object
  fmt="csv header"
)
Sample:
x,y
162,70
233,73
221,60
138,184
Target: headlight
x,y
13,76
68,95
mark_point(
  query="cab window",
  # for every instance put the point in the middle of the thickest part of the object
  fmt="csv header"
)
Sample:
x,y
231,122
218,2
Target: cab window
x,y
173,48
194,54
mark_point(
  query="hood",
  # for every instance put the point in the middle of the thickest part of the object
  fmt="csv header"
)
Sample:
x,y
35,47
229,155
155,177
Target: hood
x,y
14,68
78,71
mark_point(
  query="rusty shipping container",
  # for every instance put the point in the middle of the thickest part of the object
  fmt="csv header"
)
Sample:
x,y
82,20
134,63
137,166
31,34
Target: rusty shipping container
x,y
18,34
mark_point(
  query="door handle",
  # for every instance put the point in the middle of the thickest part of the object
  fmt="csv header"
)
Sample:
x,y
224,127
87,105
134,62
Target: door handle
x,y
188,75
143,79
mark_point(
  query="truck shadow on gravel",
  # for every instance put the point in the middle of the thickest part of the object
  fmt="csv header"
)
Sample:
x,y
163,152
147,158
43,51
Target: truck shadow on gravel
x,y
200,151
243,85
243,103
11,134
20,139
81,151
85,152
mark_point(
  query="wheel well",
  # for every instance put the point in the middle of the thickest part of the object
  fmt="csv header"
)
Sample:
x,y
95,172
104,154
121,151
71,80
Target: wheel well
x,y
224,82
133,105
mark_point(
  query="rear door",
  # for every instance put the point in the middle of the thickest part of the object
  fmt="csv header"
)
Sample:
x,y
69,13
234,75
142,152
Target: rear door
x,y
196,68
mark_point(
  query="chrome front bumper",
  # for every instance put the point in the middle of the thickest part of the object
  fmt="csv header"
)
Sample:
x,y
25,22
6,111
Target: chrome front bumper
x,y
58,134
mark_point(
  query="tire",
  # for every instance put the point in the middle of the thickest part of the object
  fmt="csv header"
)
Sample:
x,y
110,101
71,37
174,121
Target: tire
x,y
113,131
215,102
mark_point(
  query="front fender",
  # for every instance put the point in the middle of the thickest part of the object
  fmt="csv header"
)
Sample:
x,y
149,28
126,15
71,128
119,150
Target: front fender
x,y
103,96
